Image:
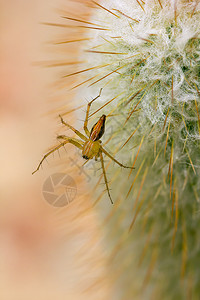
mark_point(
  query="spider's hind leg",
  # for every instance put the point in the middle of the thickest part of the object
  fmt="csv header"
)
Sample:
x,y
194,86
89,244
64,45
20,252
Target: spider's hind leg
x,y
87,113
73,129
75,142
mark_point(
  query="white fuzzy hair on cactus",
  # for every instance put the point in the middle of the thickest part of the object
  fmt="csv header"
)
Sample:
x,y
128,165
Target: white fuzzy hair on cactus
x,y
153,36
146,56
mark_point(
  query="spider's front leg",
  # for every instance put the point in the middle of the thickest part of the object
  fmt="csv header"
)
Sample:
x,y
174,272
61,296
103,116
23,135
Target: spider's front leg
x,y
104,174
73,141
111,157
87,114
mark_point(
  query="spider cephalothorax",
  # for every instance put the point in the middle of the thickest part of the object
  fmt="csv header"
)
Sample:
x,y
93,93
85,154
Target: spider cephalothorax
x,y
90,145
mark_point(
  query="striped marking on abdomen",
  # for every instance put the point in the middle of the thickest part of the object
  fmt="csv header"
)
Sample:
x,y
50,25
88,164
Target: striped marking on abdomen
x,y
98,129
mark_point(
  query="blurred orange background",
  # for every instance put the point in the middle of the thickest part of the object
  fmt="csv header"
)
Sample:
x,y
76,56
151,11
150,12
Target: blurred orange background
x,y
45,253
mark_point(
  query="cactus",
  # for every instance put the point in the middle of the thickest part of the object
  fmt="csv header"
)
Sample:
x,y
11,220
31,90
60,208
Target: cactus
x,y
145,56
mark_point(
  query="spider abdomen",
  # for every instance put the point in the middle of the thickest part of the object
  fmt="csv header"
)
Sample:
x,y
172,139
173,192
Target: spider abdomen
x,y
98,129
90,149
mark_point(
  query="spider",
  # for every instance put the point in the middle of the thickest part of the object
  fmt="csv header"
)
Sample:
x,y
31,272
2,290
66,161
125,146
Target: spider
x,y
90,145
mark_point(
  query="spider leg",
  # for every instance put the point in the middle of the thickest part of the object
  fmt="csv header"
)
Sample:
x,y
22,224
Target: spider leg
x,y
104,174
87,114
73,129
67,140
111,157
76,142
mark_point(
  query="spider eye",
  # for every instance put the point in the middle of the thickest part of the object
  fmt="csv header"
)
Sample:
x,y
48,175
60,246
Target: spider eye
x,y
86,157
